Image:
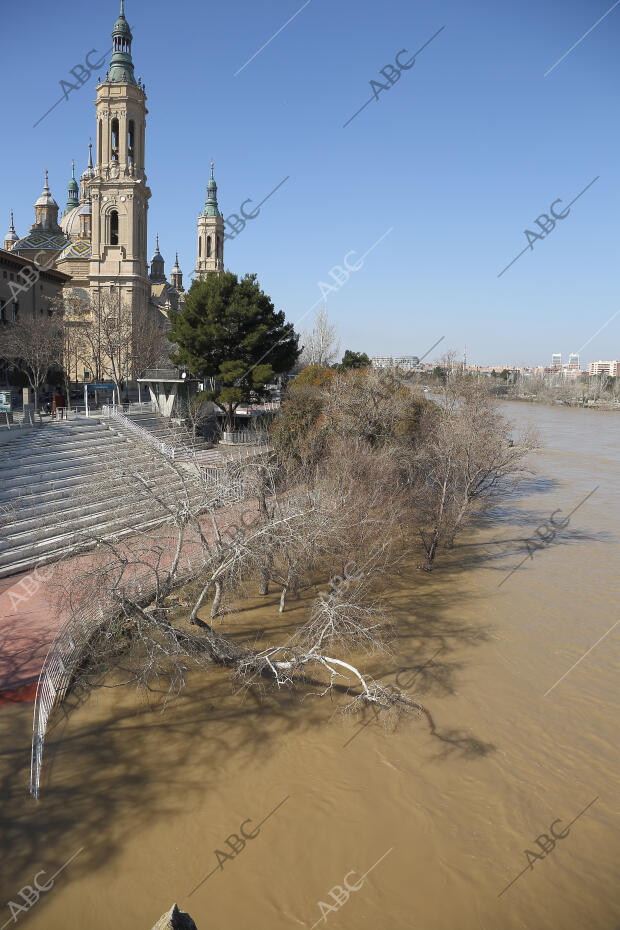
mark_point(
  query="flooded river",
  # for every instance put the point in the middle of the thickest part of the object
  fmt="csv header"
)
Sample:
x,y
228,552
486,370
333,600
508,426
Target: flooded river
x,y
278,814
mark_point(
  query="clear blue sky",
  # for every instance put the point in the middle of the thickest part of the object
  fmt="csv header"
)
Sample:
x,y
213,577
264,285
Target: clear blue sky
x,y
457,159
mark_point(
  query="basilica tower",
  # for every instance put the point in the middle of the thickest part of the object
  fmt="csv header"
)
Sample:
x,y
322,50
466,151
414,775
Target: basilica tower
x,y
210,234
118,190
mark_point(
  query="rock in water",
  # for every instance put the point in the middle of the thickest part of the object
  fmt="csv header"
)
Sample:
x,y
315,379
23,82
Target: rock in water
x,y
175,920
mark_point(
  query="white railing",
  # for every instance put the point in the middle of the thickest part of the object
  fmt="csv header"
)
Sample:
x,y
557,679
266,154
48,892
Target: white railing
x,y
63,656
54,679
245,436
112,412
249,409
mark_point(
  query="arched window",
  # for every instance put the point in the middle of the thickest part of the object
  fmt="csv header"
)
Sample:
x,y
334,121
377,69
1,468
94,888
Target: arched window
x,y
218,246
131,156
115,139
114,227
208,246
200,248
99,159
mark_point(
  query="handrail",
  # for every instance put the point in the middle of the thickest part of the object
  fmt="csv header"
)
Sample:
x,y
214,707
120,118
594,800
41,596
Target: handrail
x,y
62,657
112,413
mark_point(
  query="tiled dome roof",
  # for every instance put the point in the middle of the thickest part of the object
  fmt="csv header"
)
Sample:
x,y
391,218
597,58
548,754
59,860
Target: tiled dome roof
x,y
38,240
79,249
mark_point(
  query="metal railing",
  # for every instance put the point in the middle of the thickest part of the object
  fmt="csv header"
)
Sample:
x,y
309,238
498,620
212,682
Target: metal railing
x,y
56,672
245,436
112,412
64,655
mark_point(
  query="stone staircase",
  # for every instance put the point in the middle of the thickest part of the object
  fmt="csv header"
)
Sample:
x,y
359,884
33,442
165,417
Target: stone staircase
x,y
62,483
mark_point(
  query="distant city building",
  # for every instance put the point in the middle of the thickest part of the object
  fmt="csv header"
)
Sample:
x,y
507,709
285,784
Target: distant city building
x,y
556,360
404,362
610,368
573,361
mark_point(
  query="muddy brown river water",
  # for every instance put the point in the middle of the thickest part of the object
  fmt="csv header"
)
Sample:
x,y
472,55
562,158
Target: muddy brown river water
x,y
295,814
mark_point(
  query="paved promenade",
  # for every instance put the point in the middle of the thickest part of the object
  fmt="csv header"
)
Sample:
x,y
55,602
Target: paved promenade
x,y
30,618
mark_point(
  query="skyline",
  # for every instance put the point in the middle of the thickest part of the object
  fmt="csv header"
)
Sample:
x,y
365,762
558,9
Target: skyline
x,y
439,219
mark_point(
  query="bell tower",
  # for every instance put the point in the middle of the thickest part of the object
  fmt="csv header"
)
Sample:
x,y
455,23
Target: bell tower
x,y
210,234
118,190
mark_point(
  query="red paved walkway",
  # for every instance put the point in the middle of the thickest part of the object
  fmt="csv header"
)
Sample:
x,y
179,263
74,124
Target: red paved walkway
x,y
29,618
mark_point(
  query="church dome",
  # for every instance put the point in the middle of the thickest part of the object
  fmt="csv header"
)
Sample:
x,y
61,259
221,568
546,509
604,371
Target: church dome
x,y
79,249
70,222
46,199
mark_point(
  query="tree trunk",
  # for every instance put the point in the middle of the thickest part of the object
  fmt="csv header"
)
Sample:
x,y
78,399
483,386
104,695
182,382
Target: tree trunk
x,y
287,585
263,584
215,606
430,555
68,391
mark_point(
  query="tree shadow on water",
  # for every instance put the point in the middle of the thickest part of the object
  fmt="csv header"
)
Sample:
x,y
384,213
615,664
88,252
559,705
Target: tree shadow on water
x,y
112,763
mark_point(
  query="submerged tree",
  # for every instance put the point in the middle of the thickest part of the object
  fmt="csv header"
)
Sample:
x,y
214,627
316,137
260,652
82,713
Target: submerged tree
x,y
467,457
155,590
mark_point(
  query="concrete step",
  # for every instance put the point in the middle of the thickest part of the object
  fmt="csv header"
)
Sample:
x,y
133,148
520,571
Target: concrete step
x,y
26,557
81,529
60,484
32,512
32,460
36,489
56,473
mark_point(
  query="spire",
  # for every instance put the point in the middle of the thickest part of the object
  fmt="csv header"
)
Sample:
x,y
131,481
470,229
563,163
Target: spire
x,y
46,211
176,275
157,275
72,191
121,64
211,201
90,153
11,237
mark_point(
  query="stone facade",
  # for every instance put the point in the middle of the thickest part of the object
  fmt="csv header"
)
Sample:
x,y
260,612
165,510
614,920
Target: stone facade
x,y
100,241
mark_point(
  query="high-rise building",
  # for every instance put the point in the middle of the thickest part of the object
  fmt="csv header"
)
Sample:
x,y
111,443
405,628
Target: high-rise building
x,y
610,368
556,360
573,361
